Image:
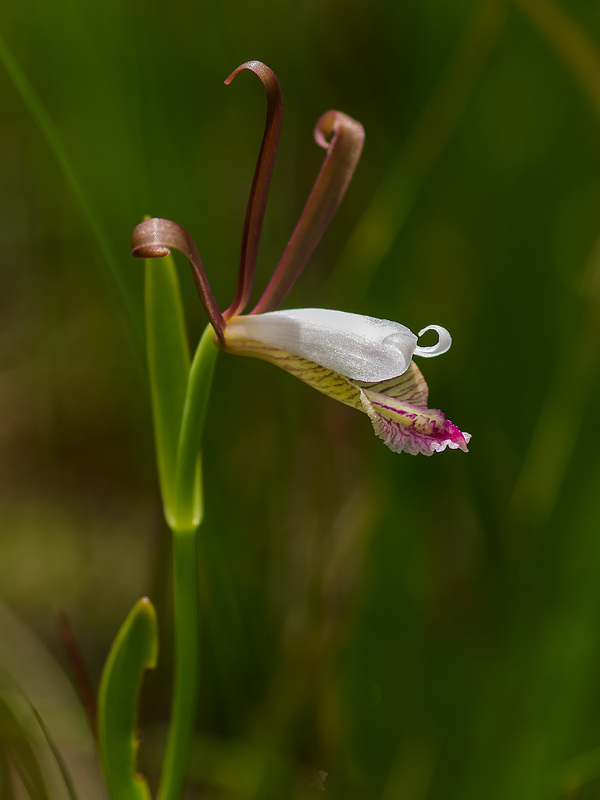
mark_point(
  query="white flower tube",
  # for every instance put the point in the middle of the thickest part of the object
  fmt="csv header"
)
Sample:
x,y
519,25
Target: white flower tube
x,y
359,347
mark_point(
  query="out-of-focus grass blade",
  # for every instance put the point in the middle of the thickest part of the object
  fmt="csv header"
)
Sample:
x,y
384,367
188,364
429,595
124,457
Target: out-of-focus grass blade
x,y
6,790
117,285
570,41
20,752
134,650
169,366
56,753
374,235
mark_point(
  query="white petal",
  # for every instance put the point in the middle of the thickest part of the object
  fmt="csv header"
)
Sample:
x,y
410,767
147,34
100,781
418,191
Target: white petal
x,y
361,348
443,343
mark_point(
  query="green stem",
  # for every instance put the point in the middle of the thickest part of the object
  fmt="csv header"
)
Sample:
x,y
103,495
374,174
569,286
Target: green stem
x,y
185,667
185,523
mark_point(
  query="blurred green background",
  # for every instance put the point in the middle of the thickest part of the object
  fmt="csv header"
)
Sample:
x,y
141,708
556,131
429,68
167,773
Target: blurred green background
x,y
417,628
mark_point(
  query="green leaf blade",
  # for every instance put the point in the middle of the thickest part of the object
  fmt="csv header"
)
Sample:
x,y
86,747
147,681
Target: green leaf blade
x,y
169,365
134,650
188,509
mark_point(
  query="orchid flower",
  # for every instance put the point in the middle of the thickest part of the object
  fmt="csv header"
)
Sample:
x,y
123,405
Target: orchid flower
x,y
361,361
